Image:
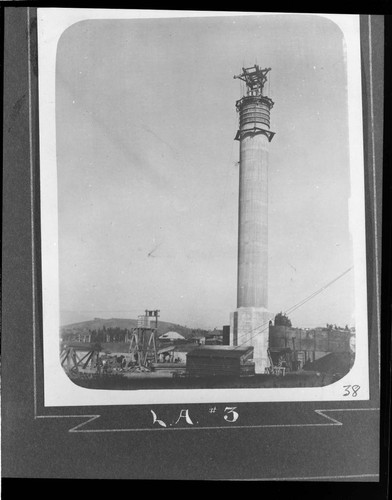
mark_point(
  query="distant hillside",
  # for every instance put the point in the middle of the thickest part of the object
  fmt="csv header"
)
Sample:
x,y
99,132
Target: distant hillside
x,y
123,323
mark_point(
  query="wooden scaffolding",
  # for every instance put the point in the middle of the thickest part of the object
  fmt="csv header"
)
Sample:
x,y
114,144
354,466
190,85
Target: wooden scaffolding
x,y
143,341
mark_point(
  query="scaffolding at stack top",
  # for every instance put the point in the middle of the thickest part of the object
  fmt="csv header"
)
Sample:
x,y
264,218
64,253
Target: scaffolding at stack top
x,y
255,79
143,341
254,108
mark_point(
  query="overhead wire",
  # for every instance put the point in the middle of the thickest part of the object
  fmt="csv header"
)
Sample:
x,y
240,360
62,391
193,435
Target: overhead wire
x,y
294,307
306,299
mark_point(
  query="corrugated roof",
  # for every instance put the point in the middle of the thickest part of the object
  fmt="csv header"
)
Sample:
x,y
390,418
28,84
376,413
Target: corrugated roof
x,y
171,335
218,351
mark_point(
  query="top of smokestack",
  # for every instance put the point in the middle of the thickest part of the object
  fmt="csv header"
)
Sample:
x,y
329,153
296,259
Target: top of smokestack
x,y
255,79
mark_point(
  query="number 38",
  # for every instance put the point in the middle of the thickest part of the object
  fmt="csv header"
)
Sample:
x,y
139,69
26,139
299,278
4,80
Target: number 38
x,y
351,390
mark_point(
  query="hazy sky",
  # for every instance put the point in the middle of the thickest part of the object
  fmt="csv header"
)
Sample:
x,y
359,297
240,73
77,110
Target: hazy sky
x,y
148,173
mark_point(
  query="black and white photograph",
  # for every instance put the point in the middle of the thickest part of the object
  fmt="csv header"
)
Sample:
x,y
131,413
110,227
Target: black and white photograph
x,y
195,272
202,207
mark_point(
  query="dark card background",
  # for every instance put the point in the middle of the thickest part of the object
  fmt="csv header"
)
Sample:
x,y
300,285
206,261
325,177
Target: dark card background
x,y
36,441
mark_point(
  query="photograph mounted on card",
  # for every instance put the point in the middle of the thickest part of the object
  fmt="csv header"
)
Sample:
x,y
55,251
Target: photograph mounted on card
x,y
202,207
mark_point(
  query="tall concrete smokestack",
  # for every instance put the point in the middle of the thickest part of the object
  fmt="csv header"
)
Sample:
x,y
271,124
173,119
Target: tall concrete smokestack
x,y
249,323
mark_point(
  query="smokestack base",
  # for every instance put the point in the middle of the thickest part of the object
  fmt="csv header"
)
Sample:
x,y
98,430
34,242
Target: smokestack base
x,y
250,326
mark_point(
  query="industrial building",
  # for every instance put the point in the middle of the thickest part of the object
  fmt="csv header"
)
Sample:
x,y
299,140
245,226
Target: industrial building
x,y
296,347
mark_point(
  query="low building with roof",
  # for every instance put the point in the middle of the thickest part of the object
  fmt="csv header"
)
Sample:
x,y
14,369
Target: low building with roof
x,y
198,338
216,360
171,337
175,353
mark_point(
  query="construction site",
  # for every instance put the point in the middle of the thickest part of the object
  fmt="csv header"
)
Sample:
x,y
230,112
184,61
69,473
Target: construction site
x,y
145,359
254,349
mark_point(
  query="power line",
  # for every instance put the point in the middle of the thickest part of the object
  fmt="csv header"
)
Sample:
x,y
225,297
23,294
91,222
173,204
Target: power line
x,y
296,306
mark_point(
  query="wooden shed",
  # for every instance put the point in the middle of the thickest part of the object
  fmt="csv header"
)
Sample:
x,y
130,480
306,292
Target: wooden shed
x,y
207,361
